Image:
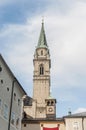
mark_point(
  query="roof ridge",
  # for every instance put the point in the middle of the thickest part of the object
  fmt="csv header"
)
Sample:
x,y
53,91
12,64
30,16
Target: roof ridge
x,y
12,73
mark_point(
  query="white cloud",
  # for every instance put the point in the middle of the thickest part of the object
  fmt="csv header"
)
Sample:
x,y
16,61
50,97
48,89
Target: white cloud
x,y
66,39
80,110
68,44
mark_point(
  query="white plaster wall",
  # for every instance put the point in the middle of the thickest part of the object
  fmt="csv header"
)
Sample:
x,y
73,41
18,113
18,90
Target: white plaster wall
x,y
71,123
5,97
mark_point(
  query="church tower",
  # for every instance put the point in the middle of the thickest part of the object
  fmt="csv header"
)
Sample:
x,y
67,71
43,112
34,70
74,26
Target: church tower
x,y
45,106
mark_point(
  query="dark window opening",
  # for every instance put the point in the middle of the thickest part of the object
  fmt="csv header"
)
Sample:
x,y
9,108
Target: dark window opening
x,y
52,103
14,96
0,68
41,125
48,103
41,70
17,122
27,102
18,101
1,81
24,125
7,89
42,52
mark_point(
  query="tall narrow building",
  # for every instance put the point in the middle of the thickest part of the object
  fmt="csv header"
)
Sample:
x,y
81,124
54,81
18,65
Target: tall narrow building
x,y
42,105
41,78
41,75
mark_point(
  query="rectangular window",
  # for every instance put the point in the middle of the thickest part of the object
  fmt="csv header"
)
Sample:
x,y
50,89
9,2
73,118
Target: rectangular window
x,y
5,111
75,125
14,96
13,118
0,103
18,102
17,122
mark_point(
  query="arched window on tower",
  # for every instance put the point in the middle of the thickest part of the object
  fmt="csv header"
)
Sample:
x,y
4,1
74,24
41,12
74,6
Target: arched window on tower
x,y
41,69
41,52
52,103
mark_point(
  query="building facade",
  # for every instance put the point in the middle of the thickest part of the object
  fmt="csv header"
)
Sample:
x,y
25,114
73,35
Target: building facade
x,y
11,93
43,105
40,111
43,124
76,121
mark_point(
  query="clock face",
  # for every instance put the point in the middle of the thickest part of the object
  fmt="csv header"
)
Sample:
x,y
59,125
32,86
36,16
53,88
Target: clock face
x,y
50,109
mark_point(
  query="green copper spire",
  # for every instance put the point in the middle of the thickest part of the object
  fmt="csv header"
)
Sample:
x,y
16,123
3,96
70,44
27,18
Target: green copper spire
x,y
42,38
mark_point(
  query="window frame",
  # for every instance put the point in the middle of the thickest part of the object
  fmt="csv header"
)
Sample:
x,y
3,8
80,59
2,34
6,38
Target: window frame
x,y
5,114
13,118
41,69
0,103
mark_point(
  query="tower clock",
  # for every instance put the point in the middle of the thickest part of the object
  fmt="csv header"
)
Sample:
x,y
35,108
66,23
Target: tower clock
x,y
41,78
51,108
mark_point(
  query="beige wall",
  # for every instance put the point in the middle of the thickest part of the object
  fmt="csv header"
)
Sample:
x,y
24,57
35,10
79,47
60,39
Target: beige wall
x,y
70,124
41,83
31,127
40,125
75,123
30,110
84,123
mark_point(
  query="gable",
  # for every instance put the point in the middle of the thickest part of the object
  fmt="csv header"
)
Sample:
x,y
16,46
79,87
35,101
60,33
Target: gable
x,y
7,75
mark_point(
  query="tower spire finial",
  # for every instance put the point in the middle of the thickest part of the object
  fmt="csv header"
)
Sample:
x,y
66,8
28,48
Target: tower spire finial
x,y
42,19
42,42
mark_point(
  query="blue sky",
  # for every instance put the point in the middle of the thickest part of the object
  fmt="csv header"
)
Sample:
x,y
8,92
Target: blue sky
x,y
65,27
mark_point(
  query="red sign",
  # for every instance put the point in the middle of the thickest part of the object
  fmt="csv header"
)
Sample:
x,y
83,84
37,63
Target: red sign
x,y
56,128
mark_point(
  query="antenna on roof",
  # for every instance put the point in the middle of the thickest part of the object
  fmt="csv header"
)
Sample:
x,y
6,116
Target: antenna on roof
x,y
69,112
